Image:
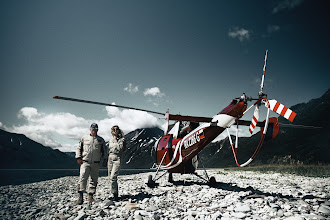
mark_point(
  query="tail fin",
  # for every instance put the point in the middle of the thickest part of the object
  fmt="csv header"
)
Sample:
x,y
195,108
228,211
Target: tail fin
x,y
280,109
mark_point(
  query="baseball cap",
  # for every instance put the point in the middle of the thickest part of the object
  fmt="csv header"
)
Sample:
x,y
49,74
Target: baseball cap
x,y
94,126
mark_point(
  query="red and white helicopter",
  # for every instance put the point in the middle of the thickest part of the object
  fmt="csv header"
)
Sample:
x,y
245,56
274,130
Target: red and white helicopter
x,y
177,150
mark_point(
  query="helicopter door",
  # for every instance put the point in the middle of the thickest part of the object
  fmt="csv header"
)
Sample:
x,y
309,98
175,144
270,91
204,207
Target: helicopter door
x,y
169,147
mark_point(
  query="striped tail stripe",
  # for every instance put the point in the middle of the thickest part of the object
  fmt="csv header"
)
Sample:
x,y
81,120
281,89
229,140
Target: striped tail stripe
x,y
282,110
254,119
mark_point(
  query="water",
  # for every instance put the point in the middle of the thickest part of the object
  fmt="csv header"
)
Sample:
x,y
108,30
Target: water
x,y
23,176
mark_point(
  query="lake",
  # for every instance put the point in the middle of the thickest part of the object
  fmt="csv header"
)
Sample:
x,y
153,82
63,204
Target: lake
x,y
23,176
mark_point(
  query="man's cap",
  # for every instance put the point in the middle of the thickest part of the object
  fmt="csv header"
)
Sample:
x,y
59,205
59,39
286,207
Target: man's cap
x,y
94,126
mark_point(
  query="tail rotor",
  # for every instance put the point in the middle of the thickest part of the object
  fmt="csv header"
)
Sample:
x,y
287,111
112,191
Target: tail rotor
x,y
273,105
267,132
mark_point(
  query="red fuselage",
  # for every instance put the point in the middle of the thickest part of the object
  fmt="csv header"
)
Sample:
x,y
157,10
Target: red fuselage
x,y
173,154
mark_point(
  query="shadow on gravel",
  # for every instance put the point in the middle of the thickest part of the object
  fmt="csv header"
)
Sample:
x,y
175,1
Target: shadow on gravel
x,y
188,183
139,197
255,193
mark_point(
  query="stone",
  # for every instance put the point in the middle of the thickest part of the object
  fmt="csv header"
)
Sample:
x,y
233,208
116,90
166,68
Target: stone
x,y
280,213
324,209
138,217
151,208
62,216
242,208
295,218
239,215
108,203
132,206
80,216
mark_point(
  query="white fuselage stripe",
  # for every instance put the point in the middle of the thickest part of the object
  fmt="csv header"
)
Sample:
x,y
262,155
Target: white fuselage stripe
x,y
224,121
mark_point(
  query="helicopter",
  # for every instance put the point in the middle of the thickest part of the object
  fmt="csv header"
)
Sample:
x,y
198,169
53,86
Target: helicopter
x,y
176,151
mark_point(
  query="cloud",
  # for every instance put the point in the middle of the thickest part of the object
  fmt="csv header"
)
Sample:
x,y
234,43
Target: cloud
x,y
28,112
46,128
64,130
131,88
283,5
272,28
128,120
155,91
155,96
240,33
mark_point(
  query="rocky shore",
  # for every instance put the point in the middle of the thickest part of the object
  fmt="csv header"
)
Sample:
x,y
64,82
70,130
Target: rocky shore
x,y
237,195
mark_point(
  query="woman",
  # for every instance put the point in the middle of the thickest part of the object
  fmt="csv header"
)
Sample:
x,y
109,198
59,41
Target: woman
x,y
117,146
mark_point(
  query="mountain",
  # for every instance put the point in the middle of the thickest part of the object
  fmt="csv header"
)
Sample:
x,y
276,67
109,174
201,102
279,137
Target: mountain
x,y
71,154
139,148
19,152
293,145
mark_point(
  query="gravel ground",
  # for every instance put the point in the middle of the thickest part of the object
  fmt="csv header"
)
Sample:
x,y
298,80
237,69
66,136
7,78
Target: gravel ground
x,y
237,195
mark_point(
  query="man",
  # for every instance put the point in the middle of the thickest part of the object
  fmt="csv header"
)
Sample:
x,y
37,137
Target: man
x,y
90,151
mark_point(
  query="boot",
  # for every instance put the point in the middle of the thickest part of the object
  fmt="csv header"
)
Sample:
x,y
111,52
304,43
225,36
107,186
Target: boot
x,y
90,198
170,178
80,200
115,196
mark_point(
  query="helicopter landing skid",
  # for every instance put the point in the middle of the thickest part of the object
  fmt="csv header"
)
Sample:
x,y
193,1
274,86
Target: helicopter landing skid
x,y
211,181
152,180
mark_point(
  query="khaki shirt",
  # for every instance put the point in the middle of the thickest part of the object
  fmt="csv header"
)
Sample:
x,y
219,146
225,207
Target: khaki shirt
x,y
117,147
91,149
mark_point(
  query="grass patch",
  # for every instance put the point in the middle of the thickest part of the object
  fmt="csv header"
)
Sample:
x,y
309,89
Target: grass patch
x,y
301,170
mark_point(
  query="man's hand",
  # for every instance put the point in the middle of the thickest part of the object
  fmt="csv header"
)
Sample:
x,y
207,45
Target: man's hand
x,y
79,161
105,162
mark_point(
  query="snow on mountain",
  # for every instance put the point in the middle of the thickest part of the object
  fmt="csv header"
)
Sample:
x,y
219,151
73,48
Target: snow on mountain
x,y
139,149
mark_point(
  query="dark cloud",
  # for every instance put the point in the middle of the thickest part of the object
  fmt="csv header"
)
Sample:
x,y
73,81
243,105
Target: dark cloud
x,y
283,5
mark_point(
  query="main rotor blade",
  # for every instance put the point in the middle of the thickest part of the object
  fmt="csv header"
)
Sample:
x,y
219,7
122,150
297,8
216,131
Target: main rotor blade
x,y
299,126
106,104
263,74
262,124
189,118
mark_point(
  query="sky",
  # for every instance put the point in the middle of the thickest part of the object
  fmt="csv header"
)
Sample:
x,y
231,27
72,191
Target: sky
x,y
191,57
